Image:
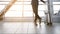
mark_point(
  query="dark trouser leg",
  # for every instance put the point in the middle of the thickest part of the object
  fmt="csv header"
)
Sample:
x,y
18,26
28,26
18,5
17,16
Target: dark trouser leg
x,y
39,19
34,7
35,11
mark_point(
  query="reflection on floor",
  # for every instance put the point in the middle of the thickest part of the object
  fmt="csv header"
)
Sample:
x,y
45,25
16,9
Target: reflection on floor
x,y
28,28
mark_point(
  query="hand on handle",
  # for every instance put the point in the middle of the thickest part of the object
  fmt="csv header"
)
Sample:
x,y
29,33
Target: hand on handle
x,y
43,1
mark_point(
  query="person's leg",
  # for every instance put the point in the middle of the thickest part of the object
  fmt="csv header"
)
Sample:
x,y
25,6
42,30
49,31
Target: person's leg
x,y
39,18
35,12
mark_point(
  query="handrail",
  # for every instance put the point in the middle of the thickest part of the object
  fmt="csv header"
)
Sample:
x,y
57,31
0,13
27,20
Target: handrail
x,y
7,7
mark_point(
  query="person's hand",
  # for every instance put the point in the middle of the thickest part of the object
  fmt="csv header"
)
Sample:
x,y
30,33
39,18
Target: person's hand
x,y
44,2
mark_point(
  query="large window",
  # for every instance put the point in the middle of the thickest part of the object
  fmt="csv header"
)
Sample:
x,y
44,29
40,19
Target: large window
x,y
23,8
56,7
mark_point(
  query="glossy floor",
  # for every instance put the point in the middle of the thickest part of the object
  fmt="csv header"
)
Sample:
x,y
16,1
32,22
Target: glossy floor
x,y
28,28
